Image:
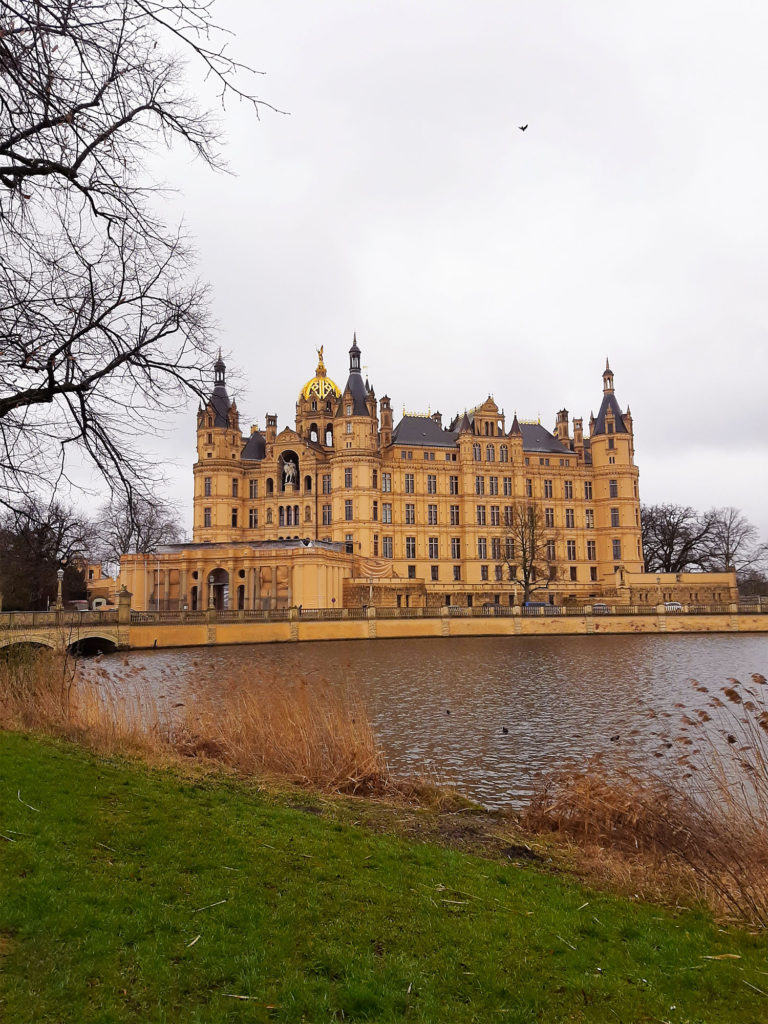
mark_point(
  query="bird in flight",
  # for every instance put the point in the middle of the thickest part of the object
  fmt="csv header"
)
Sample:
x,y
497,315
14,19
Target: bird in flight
x,y
522,127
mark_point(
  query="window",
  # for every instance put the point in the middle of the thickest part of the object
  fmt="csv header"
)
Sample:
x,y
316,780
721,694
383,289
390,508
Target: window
x,y
206,517
432,515
326,515
453,485
611,444
454,515
588,490
348,410
570,550
326,483
609,426
456,547
433,570
456,573
634,487
386,512
593,573
551,551
529,488
431,483
234,517
549,518
507,515
547,488
386,482
348,427
490,454
496,548
348,476
386,547
477,454
543,462
234,487
573,573
482,547
411,576
616,544
589,518
481,515
403,454
375,545
409,488
210,439
375,481
483,572
614,517
410,547
591,550
509,548
613,488
207,487
494,515
503,453
611,459
253,488
348,510
479,485
568,490
433,547
570,519
507,486
410,514
493,485
253,518
375,511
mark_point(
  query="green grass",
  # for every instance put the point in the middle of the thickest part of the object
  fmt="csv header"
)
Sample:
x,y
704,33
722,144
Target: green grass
x,y
323,921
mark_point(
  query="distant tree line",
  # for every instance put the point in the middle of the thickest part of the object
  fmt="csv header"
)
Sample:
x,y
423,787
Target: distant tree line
x,y
677,538
38,538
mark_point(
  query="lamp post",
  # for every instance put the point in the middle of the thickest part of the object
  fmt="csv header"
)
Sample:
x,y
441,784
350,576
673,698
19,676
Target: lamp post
x,y
59,577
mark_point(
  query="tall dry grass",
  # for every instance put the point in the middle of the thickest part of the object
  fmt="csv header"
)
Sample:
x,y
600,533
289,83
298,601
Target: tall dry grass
x,y
698,815
310,734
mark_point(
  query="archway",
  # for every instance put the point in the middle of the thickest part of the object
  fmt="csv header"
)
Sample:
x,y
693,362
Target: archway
x,y
218,581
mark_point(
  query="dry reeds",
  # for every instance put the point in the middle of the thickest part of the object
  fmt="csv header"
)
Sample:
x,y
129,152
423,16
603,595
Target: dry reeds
x,y
698,815
308,734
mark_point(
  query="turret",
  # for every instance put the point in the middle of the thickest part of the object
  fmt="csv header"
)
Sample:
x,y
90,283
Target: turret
x,y
561,427
385,412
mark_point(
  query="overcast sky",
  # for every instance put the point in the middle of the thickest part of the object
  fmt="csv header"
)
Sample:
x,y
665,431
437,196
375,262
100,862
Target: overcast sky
x,y
398,198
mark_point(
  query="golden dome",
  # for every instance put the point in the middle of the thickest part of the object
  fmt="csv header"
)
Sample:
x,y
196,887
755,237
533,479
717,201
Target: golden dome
x,y
321,385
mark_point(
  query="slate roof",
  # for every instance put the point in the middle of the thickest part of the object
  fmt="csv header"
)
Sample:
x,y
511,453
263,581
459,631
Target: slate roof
x,y
356,388
609,402
255,447
422,430
221,404
538,439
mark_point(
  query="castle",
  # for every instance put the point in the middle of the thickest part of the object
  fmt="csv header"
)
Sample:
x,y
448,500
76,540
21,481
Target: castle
x,y
348,509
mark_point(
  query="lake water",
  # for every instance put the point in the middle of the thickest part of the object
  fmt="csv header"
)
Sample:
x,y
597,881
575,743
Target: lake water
x,y
439,706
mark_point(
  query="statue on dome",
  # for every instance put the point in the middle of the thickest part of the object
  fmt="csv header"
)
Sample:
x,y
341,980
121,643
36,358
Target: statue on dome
x,y
320,371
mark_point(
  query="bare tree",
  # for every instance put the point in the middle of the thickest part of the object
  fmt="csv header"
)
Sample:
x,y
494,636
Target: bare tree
x,y
35,541
734,543
141,525
527,549
101,323
676,538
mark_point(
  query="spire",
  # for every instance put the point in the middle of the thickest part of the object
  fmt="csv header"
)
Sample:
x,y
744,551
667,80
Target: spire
x,y
354,356
355,388
515,428
607,379
219,370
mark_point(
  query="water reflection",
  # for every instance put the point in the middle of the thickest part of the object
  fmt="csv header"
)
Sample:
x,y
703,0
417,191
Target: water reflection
x,y
441,706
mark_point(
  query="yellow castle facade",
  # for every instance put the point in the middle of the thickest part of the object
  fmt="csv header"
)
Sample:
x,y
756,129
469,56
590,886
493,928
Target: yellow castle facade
x,y
347,508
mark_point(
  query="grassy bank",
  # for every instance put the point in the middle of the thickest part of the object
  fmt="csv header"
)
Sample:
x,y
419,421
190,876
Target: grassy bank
x,y
131,894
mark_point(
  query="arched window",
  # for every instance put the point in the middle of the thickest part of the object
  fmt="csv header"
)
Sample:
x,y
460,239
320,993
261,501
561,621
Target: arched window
x,y
270,485
313,433
308,484
503,453
477,454
281,515
296,520
329,436
314,405
490,455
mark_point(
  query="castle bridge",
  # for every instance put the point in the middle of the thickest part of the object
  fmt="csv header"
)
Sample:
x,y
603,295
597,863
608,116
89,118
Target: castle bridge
x,y
124,629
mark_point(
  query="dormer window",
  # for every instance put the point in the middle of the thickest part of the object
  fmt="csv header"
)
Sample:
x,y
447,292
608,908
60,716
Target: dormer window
x,y
314,405
609,426
348,411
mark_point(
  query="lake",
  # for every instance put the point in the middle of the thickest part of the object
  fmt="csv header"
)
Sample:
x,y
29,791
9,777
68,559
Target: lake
x,y
440,706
